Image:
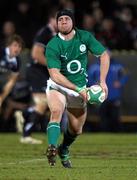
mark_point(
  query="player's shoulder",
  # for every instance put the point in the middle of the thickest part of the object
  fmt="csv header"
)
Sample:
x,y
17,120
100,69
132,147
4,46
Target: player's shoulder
x,y
83,32
83,35
42,30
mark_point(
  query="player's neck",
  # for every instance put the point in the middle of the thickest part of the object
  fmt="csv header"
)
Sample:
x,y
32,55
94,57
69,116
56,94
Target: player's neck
x,y
68,36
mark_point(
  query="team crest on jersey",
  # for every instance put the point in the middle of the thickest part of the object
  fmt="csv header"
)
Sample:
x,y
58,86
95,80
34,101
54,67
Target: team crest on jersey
x,y
82,47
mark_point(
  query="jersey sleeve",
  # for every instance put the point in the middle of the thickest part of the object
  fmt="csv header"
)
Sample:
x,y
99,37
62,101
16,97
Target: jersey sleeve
x,y
53,59
94,46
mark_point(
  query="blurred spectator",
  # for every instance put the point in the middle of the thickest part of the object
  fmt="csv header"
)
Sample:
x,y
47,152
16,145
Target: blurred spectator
x,y
123,21
108,34
94,4
42,10
67,4
88,22
110,109
25,21
9,65
8,29
29,16
133,34
98,15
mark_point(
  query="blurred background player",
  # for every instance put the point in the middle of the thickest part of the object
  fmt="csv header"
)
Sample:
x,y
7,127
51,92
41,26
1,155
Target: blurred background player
x,y
37,75
9,65
110,109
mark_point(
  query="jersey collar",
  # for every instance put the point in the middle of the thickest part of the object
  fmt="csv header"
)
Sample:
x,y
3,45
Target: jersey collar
x,y
62,37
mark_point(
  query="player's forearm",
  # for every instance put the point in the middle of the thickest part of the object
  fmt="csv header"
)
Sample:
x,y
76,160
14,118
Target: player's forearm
x,y
104,66
8,86
38,54
40,58
60,79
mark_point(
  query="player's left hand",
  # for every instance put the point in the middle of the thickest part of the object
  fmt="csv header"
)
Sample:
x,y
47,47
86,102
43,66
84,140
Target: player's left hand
x,y
83,93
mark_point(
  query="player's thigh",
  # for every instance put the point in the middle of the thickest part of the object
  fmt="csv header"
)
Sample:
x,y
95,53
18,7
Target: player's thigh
x,y
77,118
56,100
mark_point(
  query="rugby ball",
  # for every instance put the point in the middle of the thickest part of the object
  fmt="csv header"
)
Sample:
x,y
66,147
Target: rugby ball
x,y
95,94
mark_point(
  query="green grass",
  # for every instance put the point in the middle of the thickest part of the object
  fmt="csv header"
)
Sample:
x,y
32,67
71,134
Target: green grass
x,y
94,156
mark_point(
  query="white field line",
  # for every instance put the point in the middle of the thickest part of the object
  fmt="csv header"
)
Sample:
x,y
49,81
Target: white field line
x,y
22,162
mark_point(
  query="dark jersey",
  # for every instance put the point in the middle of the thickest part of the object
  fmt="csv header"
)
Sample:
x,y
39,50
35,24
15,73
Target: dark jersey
x,y
43,36
37,74
7,66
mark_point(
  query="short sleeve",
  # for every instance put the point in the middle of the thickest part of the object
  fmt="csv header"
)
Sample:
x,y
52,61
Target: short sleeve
x,y
53,59
94,46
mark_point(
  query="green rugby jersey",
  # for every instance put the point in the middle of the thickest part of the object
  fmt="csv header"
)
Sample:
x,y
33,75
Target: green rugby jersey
x,y
71,56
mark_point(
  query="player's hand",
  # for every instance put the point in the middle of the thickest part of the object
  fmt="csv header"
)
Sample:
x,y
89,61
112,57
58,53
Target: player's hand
x,y
83,92
104,88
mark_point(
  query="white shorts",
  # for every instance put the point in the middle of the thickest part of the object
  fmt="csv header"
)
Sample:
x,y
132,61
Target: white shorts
x,y
74,100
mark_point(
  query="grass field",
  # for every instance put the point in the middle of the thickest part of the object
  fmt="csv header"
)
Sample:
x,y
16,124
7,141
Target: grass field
x,y
94,156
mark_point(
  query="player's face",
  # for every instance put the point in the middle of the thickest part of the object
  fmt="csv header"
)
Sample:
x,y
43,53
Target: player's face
x,y
15,49
65,24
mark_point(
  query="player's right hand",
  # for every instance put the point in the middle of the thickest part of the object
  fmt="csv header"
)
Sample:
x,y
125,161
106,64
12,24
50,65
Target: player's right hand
x,y
83,92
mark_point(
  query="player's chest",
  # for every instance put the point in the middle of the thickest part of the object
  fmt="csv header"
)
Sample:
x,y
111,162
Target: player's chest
x,y
73,50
